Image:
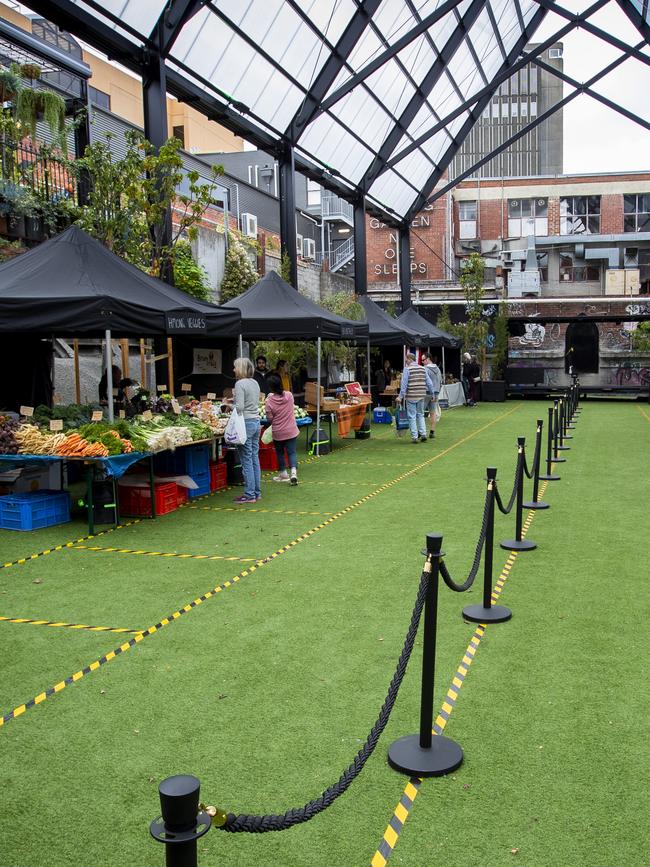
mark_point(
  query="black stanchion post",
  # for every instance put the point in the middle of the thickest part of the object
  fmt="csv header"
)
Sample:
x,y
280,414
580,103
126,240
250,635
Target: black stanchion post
x,y
535,503
567,416
548,475
561,415
488,613
556,433
424,755
181,824
519,543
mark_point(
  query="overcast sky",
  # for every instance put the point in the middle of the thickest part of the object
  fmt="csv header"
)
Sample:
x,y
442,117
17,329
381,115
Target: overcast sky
x,y
597,139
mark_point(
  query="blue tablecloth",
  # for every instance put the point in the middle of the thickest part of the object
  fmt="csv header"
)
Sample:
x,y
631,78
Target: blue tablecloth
x,y
301,422
115,465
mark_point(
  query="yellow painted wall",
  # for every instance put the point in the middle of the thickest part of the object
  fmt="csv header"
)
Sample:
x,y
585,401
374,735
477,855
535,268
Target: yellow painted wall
x,y
15,18
125,92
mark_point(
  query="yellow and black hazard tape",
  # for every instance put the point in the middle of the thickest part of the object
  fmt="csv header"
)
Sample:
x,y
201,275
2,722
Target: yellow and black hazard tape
x,y
64,545
62,624
644,414
240,511
405,804
98,548
165,621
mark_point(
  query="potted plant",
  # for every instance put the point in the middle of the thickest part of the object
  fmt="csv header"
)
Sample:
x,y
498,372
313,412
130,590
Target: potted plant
x,y
10,83
34,105
495,388
19,205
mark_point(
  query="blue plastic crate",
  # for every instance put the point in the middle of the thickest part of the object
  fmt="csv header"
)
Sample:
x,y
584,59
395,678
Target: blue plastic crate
x,y
34,510
197,459
382,415
203,482
170,463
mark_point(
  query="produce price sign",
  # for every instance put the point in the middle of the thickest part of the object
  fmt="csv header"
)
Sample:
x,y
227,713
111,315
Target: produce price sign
x,y
147,415
211,395
27,411
122,414
186,386
56,424
162,388
97,415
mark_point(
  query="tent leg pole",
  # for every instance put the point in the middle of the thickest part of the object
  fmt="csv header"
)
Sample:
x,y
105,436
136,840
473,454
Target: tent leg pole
x,y
443,366
77,382
318,343
143,364
170,365
368,365
241,346
124,344
109,374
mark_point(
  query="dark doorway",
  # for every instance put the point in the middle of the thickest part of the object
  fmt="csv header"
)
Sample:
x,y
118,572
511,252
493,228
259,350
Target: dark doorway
x,y
582,347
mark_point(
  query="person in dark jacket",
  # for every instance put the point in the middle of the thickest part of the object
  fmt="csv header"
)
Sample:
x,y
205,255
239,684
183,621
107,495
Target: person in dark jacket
x,y
261,373
471,378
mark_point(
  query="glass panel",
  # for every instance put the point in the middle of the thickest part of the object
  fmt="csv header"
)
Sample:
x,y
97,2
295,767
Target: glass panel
x,y
643,224
593,225
526,208
514,228
629,223
514,207
533,108
579,204
565,225
467,210
629,204
467,229
514,108
594,205
644,204
541,207
391,190
541,226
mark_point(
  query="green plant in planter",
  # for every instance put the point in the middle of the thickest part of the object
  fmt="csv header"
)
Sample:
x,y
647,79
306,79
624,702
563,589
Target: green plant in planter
x,y
17,201
31,70
58,214
500,355
10,83
32,103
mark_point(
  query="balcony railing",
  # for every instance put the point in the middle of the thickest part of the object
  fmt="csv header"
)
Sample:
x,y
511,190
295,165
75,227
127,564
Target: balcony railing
x,y
338,256
335,208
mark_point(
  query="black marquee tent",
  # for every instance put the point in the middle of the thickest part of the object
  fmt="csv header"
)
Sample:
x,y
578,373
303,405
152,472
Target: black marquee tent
x,y
431,335
273,310
384,329
72,284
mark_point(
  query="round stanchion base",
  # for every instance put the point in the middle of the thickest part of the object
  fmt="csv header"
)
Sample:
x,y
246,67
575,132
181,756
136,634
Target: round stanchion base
x,y
568,436
536,504
514,545
493,614
549,477
564,449
443,757
558,460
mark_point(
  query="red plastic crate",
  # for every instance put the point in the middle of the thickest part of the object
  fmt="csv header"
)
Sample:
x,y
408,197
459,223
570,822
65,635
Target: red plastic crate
x,y
181,495
218,476
268,458
137,500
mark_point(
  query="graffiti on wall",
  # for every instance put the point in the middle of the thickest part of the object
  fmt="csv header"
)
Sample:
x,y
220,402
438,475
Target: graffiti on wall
x,y
632,373
638,309
534,334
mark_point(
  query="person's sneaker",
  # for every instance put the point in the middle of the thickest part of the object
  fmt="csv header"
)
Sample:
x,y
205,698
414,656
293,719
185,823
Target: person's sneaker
x,y
294,480
281,478
431,434
423,439
257,499
244,499
415,441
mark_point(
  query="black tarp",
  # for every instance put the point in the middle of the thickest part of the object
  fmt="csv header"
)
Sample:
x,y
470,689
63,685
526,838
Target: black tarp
x,y
384,329
273,310
431,334
72,284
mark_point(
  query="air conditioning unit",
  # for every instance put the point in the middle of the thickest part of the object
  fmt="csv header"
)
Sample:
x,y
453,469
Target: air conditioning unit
x,y
249,225
309,248
299,244
554,53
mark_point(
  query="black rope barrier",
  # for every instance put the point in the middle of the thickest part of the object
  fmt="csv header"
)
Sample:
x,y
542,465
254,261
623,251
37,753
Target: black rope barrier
x,y
444,572
549,476
245,822
518,543
556,433
536,503
505,510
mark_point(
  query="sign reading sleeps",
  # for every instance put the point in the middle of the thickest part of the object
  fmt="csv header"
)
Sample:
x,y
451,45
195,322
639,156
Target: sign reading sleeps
x,y
185,322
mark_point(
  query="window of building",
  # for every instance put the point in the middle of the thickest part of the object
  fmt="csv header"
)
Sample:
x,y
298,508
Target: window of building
x,y
636,212
313,193
99,98
574,270
179,133
527,217
524,109
467,219
533,108
580,215
542,264
554,53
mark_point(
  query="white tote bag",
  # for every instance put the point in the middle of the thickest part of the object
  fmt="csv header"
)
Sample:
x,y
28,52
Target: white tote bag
x,y
235,432
267,436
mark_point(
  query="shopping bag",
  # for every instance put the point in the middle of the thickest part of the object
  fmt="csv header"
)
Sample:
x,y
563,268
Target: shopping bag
x,y
401,421
267,436
437,412
235,432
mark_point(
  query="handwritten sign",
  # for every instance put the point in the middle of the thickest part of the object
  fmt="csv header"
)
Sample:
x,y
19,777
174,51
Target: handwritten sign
x,y
176,407
162,388
147,415
122,414
56,424
211,395
56,398
207,361
27,411
116,391
186,386
97,415
185,322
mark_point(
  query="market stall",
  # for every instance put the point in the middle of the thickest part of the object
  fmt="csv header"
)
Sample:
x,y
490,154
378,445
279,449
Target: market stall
x,y
431,335
72,285
274,310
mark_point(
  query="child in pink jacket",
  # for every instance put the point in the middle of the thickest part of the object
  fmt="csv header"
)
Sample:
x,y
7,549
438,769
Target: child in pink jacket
x,y
279,411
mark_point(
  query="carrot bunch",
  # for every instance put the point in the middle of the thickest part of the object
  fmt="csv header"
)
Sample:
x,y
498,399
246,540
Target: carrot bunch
x,y
77,446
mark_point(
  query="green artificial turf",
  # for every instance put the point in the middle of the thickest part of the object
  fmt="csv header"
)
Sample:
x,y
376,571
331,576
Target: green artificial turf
x,y
267,690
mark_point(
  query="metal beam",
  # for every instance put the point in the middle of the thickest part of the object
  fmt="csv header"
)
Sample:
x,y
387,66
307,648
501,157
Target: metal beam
x,y
474,115
594,94
639,21
597,31
171,21
397,46
404,268
525,130
42,49
428,83
288,240
311,104
497,80
360,249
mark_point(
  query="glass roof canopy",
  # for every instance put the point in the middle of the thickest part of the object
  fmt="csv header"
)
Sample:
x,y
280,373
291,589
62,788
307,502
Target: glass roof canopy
x,y
376,95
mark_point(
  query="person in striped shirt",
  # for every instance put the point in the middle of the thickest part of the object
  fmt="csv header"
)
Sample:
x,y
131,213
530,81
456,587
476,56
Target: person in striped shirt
x,y
415,387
